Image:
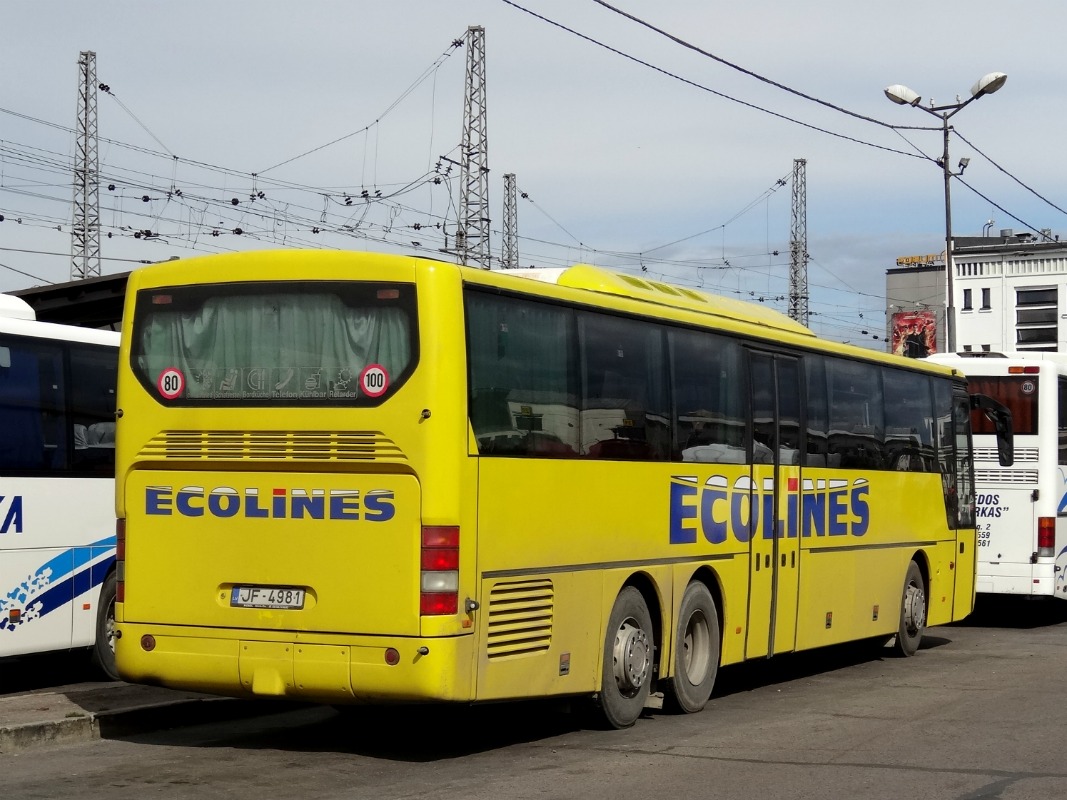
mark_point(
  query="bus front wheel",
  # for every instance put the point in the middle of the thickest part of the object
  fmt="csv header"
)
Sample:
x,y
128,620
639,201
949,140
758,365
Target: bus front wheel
x,y
912,612
104,647
696,650
628,658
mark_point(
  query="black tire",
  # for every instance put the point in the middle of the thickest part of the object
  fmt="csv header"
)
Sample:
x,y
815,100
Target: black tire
x,y
629,657
912,612
696,650
104,647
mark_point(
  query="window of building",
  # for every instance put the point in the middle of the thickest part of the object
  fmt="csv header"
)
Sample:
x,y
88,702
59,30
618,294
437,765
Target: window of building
x,y
985,300
967,300
1036,318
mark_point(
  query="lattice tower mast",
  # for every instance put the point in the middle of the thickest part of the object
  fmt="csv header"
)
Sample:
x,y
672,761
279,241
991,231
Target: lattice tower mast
x,y
509,258
798,245
472,238
85,229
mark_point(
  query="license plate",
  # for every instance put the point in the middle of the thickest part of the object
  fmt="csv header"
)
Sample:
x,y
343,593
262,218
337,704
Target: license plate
x,y
266,597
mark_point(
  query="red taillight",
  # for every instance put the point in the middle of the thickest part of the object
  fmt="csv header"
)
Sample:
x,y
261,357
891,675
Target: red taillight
x,y
1046,536
439,579
120,560
438,603
440,536
438,560
120,539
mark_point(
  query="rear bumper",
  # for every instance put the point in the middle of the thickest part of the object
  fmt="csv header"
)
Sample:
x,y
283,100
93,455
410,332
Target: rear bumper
x,y
1034,580
284,664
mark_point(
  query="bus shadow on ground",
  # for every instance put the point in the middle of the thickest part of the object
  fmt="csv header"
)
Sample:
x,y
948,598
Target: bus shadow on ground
x,y
760,673
48,670
415,734
1008,611
424,733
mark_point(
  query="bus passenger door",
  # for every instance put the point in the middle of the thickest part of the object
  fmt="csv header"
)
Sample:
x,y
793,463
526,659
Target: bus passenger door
x,y
774,565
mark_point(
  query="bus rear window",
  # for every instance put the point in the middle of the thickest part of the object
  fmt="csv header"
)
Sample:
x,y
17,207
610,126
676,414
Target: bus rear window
x,y
1017,392
306,343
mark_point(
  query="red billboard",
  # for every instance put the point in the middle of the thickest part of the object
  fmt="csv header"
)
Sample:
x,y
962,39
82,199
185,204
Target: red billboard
x,y
914,333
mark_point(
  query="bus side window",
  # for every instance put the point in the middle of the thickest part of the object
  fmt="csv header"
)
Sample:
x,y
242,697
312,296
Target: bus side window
x,y
624,407
92,400
908,429
22,387
857,415
522,396
816,442
1061,416
708,420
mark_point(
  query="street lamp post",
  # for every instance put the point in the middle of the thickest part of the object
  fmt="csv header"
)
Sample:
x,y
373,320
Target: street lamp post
x,y
902,95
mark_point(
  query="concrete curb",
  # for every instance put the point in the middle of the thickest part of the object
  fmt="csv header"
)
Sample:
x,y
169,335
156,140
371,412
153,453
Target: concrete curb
x,y
81,726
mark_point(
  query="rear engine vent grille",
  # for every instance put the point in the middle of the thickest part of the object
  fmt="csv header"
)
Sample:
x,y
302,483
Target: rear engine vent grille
x,y
271,446
1022,454
984,477
520,618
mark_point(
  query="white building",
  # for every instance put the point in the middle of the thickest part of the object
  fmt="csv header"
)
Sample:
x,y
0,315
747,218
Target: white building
x,y
1011,292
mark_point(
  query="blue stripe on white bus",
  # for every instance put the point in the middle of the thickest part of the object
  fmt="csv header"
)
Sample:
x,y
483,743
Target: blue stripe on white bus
x,y
54,584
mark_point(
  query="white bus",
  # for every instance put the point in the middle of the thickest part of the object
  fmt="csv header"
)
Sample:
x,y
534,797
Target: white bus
x,y
57,479
1022,509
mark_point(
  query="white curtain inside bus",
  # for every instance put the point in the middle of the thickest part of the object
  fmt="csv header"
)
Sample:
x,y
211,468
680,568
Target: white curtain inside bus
x,y
254,346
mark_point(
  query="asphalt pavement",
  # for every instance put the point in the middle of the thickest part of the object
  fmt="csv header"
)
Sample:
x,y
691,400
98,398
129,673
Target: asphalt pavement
x,y
94,710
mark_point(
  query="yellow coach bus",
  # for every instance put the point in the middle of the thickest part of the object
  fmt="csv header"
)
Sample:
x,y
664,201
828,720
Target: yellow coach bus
x,y
349,477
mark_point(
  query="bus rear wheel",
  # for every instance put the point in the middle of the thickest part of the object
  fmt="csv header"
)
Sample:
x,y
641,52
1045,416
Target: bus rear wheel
x,y
912,612
629,650
104,647
696,650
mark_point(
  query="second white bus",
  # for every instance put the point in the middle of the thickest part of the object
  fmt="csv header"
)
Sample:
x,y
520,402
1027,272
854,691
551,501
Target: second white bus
x,y
57,470
1022,509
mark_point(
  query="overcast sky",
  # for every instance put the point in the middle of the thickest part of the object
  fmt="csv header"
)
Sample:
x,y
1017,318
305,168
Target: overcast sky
x,y
675,165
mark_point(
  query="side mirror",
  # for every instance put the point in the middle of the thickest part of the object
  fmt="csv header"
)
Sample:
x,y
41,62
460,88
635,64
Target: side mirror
x,y
1000,416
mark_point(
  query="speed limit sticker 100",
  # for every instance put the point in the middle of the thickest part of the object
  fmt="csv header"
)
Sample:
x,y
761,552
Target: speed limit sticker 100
x,y
374,380
171,383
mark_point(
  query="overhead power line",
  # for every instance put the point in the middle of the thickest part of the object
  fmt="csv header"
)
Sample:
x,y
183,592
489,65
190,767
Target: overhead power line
x,y
995,164
709,90
455,45
688,45
751,74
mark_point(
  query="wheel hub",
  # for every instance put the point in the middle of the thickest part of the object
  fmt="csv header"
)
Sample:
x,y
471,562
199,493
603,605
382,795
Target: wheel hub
x,y
696,648
631,655
914,609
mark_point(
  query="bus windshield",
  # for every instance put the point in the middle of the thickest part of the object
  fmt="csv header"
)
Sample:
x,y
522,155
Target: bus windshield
x,y
291,343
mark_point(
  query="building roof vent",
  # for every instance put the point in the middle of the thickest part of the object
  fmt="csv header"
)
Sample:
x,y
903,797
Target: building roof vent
x,y
1006,232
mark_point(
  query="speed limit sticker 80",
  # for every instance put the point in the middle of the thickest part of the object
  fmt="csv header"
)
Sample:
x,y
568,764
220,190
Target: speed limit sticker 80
x,y
171,383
